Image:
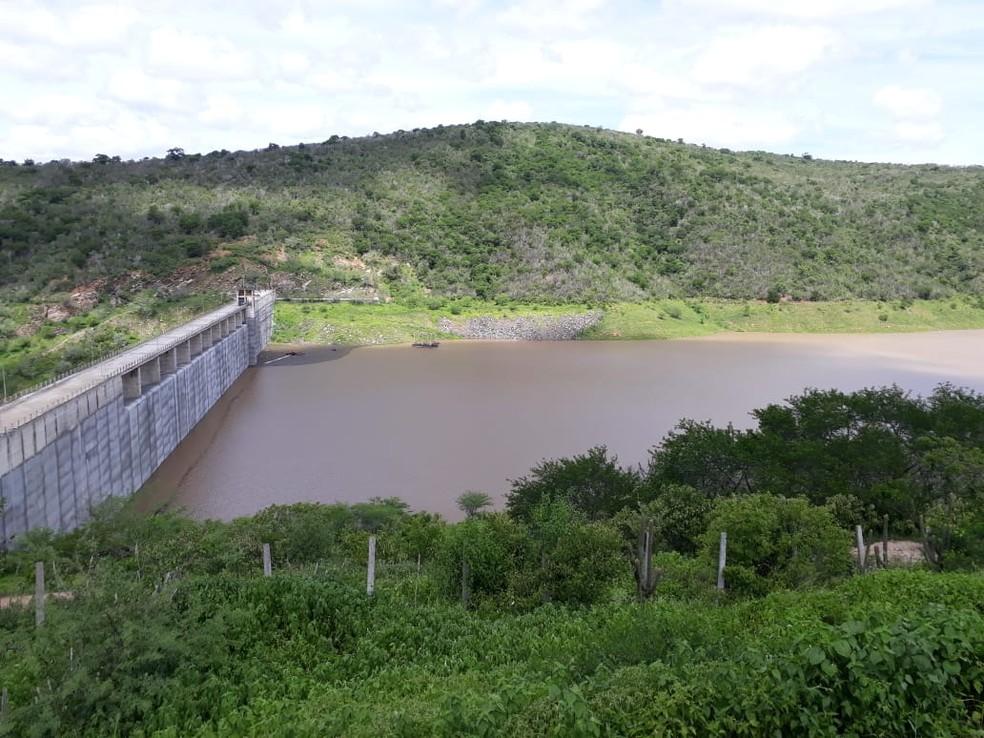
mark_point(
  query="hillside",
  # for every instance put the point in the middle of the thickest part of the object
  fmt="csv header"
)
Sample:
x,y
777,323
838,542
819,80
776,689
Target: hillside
x,y
543,212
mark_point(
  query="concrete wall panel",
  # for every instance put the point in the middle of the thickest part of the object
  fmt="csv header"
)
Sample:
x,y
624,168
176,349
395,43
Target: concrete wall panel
x,y
56,467
15,507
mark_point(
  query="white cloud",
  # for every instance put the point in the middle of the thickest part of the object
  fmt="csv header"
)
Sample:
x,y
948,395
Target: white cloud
x,y
99,25
192,56
908,102
134,86
31,62
84,26
916,111
514,110
125,132
29,21
221,111
820,76
753,56
540,15
715,125
917,132
60,109
808,9
294,122
293,63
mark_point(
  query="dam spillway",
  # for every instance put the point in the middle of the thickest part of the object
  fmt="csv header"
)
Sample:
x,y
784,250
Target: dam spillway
x,y
102,432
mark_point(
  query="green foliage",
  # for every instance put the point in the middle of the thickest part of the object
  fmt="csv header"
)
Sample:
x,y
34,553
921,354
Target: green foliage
x,y
231,222
679,515
848,511
592,483
472,502
711,460
173,631
868,453
494,547
954,523
776,542
525,211
569,560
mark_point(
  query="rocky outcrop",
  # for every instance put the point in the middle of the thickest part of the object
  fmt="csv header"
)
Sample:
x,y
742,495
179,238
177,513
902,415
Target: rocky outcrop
x,y
524,328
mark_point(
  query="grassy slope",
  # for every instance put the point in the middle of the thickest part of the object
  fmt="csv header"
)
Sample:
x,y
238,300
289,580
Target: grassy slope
x,y
395,323
677,318
357,324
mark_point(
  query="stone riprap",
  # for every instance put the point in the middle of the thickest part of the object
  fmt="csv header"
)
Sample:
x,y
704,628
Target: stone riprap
x,y
103,432
524,328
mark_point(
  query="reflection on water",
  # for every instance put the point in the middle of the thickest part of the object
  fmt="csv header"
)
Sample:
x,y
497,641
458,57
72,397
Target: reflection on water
x,y
425,425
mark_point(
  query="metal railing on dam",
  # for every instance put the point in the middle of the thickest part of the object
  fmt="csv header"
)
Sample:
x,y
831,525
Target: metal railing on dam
x,y
103,430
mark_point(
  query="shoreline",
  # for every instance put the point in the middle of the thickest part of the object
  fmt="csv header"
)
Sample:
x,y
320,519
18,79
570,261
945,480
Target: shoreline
x,y
398,323
274,347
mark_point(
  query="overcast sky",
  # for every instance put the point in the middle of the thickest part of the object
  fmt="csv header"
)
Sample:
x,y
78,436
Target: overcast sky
x,y
874,80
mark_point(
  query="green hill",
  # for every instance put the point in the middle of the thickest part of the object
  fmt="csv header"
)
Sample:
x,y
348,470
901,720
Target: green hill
x,y
485,219
542,212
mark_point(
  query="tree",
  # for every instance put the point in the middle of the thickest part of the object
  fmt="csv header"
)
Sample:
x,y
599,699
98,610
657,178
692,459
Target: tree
x,y
592,482
419,535
175,154
492,548
379,513
714,461
473,502
230,222
953,525
571,560
776,542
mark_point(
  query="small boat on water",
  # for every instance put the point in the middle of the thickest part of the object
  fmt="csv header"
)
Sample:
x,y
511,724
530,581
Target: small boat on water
x,y
426,344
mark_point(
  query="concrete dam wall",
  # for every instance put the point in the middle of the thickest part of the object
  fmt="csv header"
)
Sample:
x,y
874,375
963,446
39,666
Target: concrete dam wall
x,y
103,431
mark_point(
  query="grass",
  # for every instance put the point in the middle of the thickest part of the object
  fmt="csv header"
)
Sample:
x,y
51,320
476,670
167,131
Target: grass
x,y
56,347
659,319
361,324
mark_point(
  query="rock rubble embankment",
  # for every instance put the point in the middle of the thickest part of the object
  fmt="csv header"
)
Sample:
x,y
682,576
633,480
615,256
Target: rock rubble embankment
x,y
524,328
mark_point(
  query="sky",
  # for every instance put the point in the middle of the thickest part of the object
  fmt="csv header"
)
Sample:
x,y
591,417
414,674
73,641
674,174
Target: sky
x,y
868,80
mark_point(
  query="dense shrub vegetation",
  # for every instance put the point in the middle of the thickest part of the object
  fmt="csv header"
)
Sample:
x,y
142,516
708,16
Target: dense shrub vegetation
x,y
528,622
530,211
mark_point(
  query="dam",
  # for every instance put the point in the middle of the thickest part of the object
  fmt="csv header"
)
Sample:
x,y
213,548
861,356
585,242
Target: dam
x,y
102,431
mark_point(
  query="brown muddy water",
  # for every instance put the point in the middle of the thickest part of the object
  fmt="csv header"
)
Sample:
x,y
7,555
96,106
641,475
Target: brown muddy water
x,y
426,424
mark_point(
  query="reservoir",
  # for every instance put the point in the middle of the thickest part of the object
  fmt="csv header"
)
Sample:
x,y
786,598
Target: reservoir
x,y
337,424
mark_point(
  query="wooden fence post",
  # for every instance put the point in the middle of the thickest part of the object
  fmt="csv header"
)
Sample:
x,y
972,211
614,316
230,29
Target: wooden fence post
x,y
4,700
645,563
645,575
860,538
885,540
371,571
38,593
722,559
267,561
